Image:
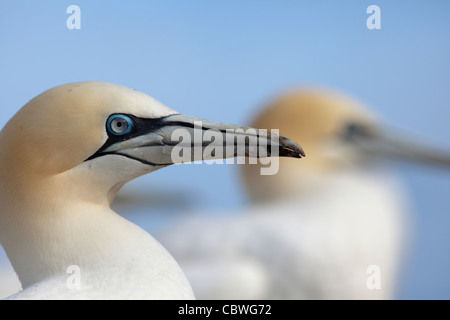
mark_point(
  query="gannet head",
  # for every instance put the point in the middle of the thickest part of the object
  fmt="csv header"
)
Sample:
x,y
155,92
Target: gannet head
x,y
98,134
339,132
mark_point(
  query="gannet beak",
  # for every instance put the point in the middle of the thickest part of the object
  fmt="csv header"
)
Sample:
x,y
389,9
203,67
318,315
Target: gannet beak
x,y
385,142
181,138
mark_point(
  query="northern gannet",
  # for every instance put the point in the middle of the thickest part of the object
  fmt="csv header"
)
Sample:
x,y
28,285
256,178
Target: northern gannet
x,y
335,227
64,155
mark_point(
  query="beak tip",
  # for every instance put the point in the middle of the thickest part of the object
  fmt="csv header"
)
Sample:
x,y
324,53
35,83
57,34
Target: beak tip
x,y
289,148
292,152
301,152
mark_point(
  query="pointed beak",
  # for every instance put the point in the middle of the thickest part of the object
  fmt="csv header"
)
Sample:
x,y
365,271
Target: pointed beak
x,y
181,138
388,143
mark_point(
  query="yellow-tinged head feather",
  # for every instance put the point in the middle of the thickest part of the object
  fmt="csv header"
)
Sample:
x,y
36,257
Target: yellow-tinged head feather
x,y
69,119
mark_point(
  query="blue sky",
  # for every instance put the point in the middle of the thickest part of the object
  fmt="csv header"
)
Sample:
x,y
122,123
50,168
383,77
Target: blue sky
x,y
221,60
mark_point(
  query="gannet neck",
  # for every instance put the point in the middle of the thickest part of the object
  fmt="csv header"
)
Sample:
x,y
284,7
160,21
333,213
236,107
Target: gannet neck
x,y
44,236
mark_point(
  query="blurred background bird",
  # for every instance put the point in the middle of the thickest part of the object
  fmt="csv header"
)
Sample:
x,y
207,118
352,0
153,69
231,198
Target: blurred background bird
x,y
333,227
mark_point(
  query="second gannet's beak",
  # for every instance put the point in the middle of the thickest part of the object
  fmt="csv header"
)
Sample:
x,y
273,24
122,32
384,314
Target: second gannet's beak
x,y
181,138
385,142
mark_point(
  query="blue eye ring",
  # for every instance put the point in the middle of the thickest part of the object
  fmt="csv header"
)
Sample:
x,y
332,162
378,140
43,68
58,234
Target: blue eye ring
x,y
119,124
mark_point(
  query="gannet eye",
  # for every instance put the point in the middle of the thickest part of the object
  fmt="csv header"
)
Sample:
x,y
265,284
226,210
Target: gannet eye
x,y
119,124
354,130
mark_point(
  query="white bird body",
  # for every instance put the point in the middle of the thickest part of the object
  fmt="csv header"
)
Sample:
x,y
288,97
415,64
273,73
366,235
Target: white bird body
x,y
64,156
317,246
117,259
129,264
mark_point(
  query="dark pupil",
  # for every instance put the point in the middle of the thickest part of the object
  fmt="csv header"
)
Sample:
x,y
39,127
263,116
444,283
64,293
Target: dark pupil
x,y
119,125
